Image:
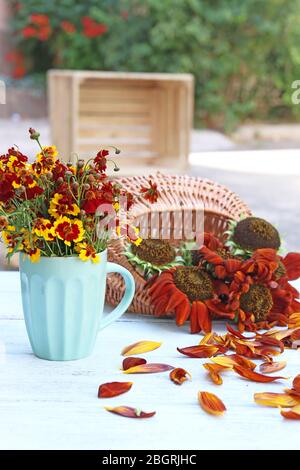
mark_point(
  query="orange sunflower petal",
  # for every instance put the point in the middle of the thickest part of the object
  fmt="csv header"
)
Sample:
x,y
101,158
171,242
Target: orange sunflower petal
x,y
132,362
296,383
182,312
151,368
129,412
270,367
254,376
275,400
179,375
204,318
214,371
140,347
211,403
294,413
292,265
199,351
113,389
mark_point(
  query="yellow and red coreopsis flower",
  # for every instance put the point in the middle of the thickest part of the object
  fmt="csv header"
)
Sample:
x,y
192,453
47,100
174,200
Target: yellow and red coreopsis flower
x,y
61,205
87,252
69,230
43,228
45,160
11,238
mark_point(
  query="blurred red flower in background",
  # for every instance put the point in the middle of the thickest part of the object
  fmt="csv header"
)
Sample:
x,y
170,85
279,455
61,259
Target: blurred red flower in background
x,y
91,28
67,26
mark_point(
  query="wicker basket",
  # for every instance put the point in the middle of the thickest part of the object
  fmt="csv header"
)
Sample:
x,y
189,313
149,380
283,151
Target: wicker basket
x,y
177,193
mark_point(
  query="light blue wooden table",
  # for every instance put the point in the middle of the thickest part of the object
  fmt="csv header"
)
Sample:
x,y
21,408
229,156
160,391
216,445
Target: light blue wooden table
x,y
53,405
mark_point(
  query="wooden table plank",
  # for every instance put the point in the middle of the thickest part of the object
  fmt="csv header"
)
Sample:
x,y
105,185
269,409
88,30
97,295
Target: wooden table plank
x,y
54,405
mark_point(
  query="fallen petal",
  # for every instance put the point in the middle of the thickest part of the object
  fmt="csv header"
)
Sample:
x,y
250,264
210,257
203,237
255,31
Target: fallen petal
x,y
132,362
201,351
276,400
113,389
148,369
296,383
129,412
291,391
294,413
179,375
140,348
214,371
254,376
269,367
234,359
211,403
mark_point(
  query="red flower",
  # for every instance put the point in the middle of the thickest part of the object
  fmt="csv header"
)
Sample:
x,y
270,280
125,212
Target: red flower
x,y
291,264
100,160
7,190
151,193
39,19
67,26
91,28
29,32
186,291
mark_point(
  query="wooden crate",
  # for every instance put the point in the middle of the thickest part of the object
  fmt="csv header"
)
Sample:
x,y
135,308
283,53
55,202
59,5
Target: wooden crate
x,y
148,116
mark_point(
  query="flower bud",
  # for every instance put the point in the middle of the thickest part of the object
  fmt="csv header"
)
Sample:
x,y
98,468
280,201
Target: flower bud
x,y
34,135
80,163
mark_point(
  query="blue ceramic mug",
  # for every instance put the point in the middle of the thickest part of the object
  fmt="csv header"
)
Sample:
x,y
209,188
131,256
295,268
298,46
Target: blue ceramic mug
x,y
63,300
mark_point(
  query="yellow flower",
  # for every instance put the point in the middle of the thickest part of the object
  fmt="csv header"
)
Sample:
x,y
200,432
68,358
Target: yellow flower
x,y
43,228
45,161
60,206
35,255
69,230
11,239
87,252
16,185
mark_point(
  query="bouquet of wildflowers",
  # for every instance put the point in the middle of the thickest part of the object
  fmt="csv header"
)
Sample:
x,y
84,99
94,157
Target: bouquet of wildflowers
x,y
49,208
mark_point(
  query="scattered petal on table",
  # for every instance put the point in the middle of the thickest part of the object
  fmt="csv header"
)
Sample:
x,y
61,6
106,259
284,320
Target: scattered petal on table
x,y
293,413
237,334
255,376
132,362
296,383
129,412
140,348
179,375
214,371
276,400
234,359
150,368
211,403
113,389
269,367
292,392
201,351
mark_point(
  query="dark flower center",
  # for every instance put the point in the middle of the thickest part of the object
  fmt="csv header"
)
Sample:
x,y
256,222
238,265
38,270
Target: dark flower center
x,y
253,233
158,252
257,301
194,282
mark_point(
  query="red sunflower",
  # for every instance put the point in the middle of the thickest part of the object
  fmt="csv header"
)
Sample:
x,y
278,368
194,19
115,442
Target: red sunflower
x,y
186,291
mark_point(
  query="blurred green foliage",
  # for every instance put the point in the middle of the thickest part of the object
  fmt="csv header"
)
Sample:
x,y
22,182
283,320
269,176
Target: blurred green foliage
x,y
244,54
